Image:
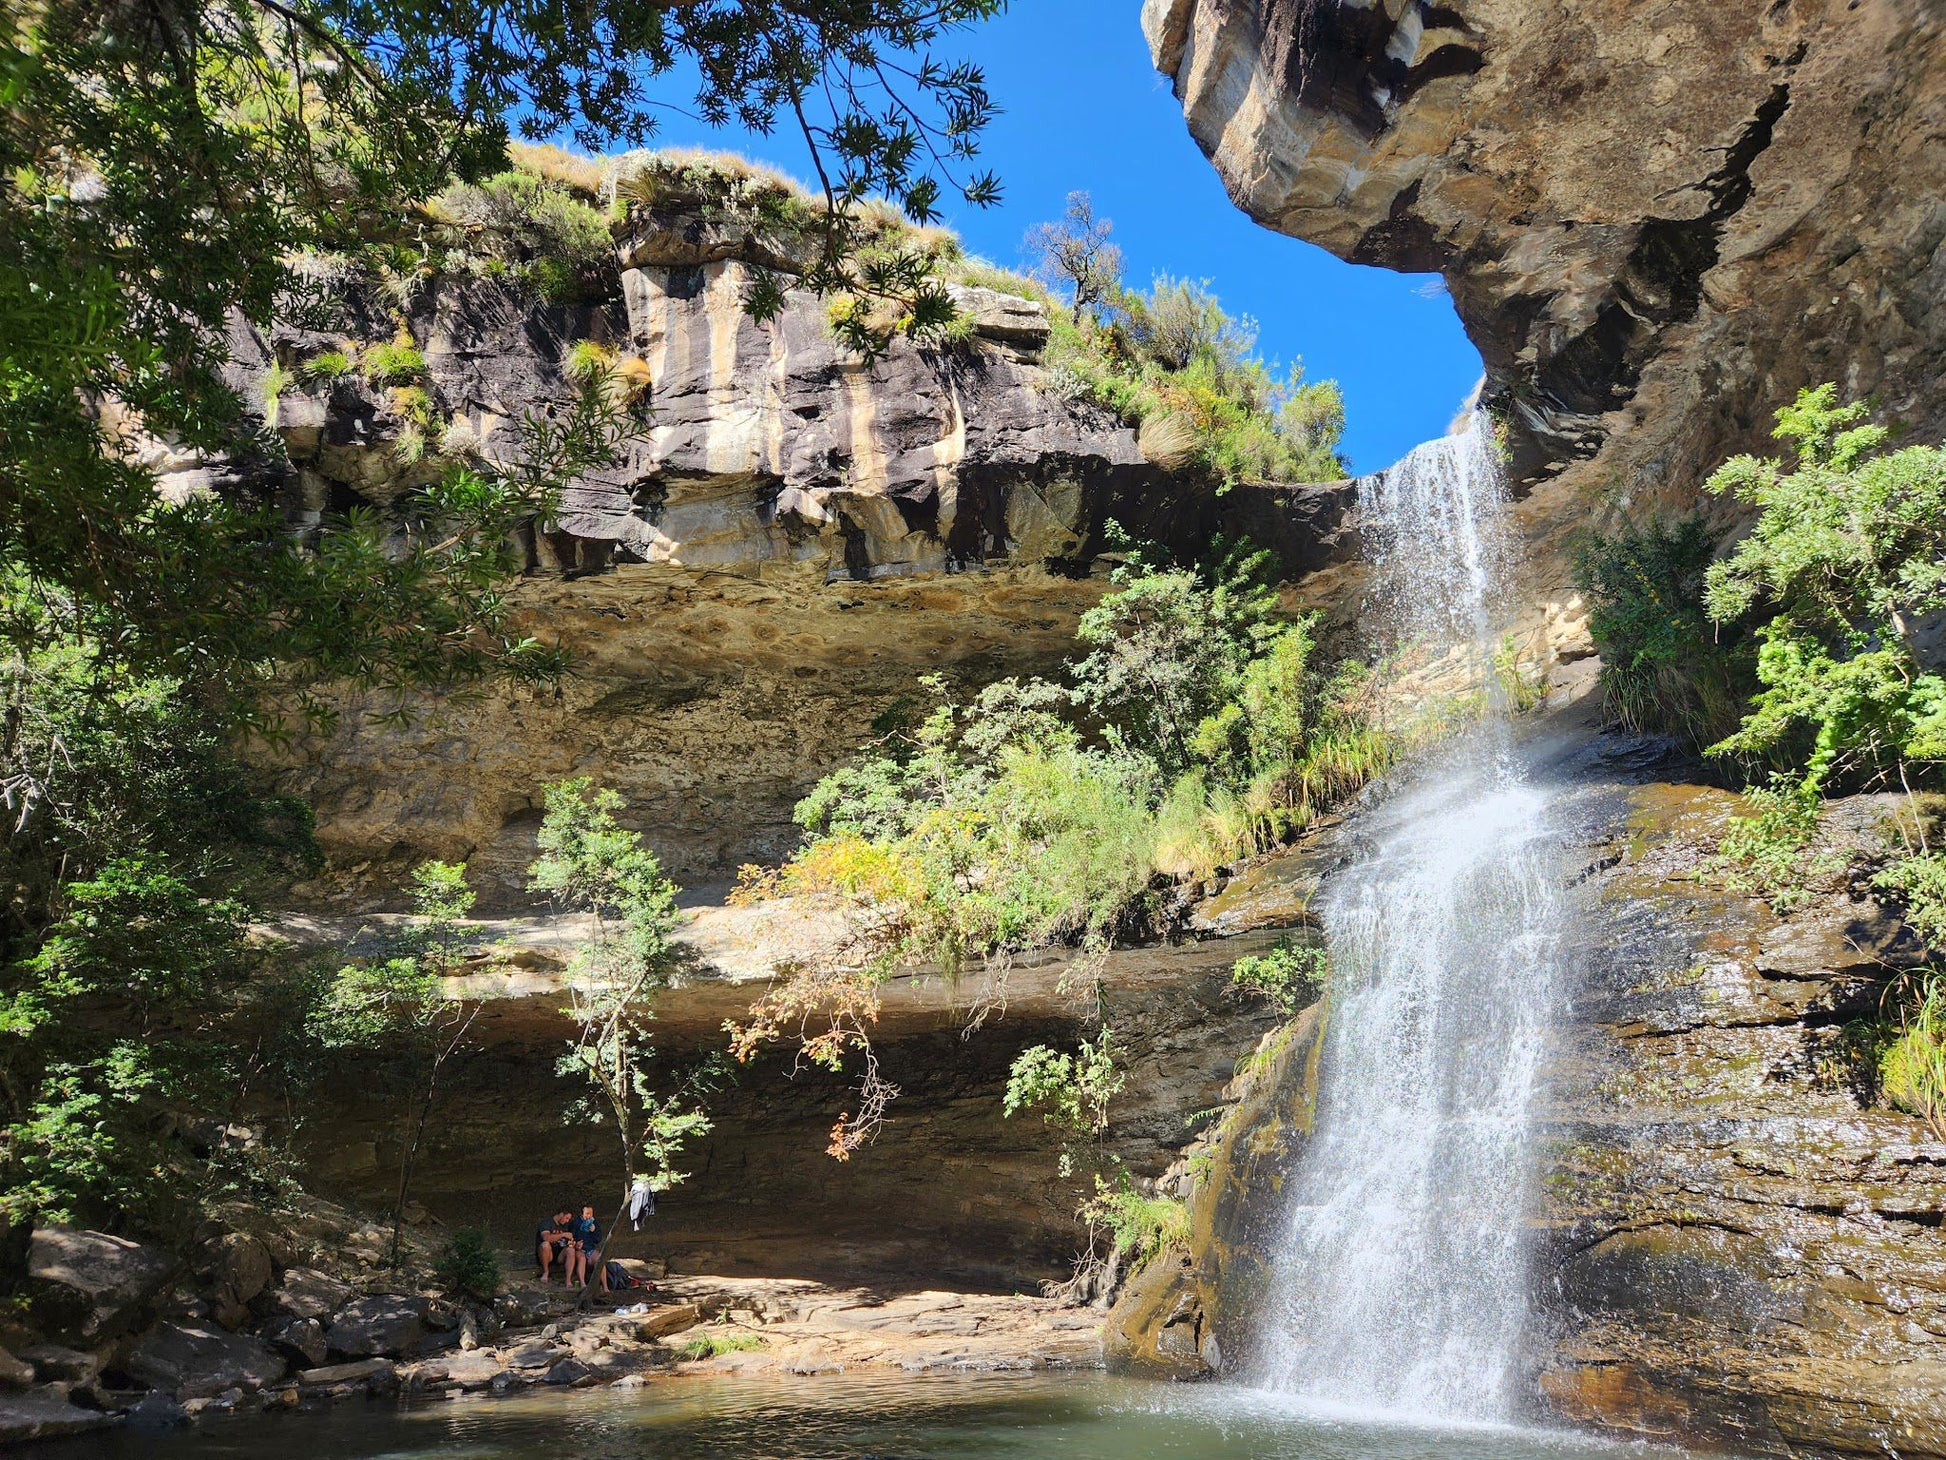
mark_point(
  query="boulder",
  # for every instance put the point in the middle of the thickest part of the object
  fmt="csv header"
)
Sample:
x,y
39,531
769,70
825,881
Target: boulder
x,y
301,1340
198,1361
14,1373
355,1373
567,1373
42,1414
471,1370
308,1293
379,1324
238,1267
54,1364
89,1285
534,1356
156,1411
665,1321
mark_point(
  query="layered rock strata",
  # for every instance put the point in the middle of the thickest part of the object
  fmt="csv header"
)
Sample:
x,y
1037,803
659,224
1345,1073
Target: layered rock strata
x,y
791,540
951,1189
1657,222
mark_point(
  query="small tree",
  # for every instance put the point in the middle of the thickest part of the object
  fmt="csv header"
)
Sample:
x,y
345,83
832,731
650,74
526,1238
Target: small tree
x,y
399,1004
1848,555
591,864
1075,255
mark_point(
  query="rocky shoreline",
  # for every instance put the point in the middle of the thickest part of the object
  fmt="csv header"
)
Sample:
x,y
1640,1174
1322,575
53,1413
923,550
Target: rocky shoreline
x,y
333,1344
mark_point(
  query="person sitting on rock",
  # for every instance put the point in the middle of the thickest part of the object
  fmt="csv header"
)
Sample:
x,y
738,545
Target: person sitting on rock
x,y
587,1243
554,1237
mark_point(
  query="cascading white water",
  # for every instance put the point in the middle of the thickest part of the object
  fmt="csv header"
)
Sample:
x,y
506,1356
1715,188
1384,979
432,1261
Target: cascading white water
x,y
1402,1283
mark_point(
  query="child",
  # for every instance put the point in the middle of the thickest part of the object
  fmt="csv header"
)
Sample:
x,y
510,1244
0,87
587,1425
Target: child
x,y
587,1243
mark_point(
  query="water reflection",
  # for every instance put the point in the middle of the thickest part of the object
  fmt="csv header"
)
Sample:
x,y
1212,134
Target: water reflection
x,y
848,1418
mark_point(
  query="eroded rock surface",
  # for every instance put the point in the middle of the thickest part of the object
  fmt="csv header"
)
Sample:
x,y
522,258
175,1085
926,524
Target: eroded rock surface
x,y
1744,1249
1657,222
791,541
1738,1246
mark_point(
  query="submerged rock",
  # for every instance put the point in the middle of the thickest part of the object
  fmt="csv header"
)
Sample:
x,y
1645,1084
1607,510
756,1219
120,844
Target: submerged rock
x,y
45,1414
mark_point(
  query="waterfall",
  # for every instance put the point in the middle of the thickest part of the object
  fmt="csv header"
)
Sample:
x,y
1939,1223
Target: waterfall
x,y
1401,1284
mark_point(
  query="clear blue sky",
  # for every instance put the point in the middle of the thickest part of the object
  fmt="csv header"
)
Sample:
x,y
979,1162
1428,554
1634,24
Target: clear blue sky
x,y
1083,108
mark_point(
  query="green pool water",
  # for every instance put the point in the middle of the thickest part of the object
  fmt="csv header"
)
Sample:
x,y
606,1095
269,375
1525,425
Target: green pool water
x,y
927,1417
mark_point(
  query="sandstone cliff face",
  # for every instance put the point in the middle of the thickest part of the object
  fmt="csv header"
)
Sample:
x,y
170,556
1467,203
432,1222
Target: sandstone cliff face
x,y
790,543
1657,222
951,1190
1741,1247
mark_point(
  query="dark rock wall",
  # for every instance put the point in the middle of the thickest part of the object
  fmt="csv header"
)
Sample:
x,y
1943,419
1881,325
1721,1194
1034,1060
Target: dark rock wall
x,y
950,1192
1657,221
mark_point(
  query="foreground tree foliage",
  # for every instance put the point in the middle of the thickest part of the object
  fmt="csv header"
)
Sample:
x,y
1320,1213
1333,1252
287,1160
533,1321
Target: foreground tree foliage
x,y
590,864
165,170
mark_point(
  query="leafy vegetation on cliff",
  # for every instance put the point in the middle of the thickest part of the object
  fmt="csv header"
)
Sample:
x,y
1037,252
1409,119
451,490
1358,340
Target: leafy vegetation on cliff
x,y
1171,361
1197,727
1840,585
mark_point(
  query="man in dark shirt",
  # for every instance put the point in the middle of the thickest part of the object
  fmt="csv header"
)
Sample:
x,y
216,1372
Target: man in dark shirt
x,y
552,1238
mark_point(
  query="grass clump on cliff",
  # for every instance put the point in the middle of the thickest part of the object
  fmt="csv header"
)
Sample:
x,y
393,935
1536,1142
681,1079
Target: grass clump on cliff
x,y
1171,361
1912,1062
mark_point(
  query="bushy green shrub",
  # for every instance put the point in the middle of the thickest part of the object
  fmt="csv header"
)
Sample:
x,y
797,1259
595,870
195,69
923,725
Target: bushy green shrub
x,y
468,1268
1847,555
1918,879
1665,666
1072,1091
538,227
1291,975
1138,1227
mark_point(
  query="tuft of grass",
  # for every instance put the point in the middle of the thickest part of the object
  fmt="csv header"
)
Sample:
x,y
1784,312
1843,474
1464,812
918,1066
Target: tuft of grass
x,y
328,367
277,379
393,362
714,1345
588,360
587,176
1912,1065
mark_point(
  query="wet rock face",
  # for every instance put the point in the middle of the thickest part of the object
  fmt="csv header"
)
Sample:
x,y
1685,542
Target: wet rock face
x,y
1736,1245
1657,222
1742,1247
